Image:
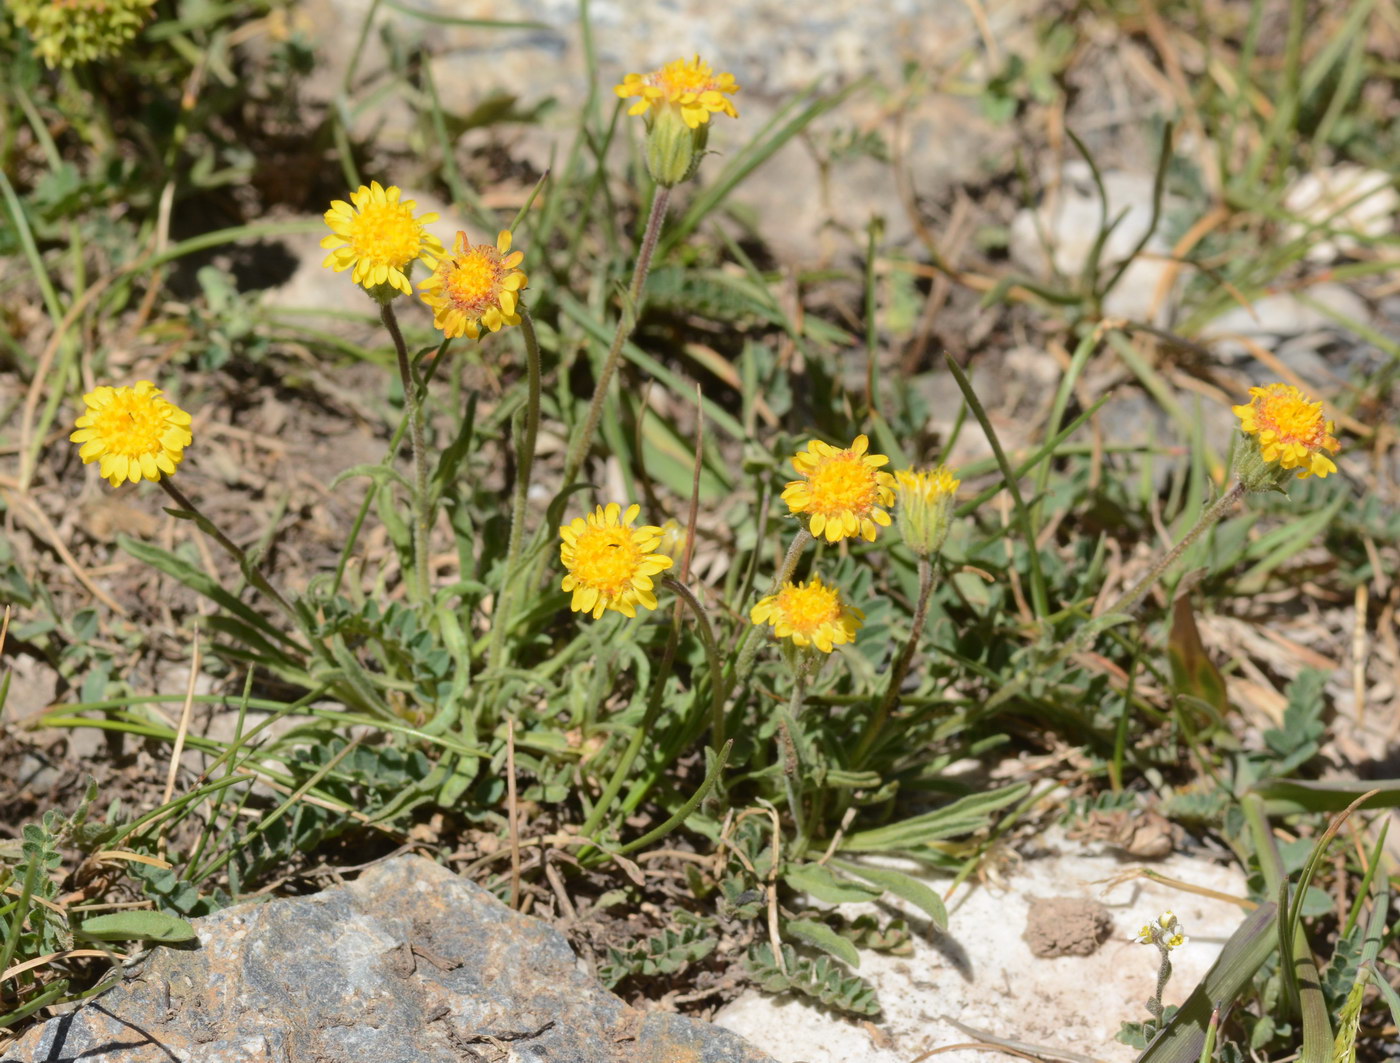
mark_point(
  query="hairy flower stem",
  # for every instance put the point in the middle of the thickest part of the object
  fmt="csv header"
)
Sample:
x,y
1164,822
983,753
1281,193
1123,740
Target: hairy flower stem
x,y
627,320
792,761
900,668
707,636
1130,599
256,578
524,463
634,746
1164,974
422,517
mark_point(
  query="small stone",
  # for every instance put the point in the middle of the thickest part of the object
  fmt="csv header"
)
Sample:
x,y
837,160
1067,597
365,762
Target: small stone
x,y
1351,203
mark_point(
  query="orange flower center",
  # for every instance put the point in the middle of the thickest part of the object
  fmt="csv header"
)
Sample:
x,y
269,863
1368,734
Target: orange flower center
x,y
606,559
473,282
131,425
1291,418
842,483
809,607
387,233
681,77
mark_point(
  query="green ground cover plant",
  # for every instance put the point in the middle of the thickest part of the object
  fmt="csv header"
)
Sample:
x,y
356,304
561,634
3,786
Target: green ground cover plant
x,y
642,573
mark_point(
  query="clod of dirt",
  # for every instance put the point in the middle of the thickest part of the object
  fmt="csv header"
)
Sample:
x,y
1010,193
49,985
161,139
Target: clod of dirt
x,y
1066,926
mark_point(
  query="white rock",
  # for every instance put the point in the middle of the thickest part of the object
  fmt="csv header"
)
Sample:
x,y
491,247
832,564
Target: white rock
x,y
983,974
1059,235
1323,306
1348,203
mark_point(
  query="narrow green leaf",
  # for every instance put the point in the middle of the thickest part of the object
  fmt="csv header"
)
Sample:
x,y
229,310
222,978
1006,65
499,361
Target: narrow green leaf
x,y
823,884
135,926
823,937
963,816
902,885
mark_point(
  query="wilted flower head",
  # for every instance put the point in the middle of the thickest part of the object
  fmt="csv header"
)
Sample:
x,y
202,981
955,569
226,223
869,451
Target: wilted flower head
x,y
377,234
610,562
135,433
1283,431
810,614
841,491
475,286
677,102
925,506
75,31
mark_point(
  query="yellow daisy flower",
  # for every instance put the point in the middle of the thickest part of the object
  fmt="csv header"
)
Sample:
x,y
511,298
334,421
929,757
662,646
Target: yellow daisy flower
x,y
610,562
811,614
474,286
687,86
377,234
925,500
135,433
842,491
1288,430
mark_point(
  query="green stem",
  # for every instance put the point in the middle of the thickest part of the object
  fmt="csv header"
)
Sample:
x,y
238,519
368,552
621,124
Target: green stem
x,y
422,516
524,463
1130,599
251,574
901,666
634,746
578,450
707,636
792,760
749,646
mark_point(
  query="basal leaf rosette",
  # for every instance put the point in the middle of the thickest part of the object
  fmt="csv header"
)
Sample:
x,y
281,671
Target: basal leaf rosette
x,y
77,31
134,433
609,562
1284,432
843,491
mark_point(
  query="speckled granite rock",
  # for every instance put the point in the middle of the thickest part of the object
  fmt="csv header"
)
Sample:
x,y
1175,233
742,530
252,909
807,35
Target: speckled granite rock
x,y
407,964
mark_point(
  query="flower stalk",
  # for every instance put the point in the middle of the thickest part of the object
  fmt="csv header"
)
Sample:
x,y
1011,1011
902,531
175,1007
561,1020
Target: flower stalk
x,y
524,465
900,669
627,320
250,572
422,517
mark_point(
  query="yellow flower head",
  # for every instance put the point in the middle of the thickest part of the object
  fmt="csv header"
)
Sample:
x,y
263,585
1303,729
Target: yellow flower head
x,y
841,491
1288,430
811,614
474,286
610,562
134,432
74,31
378,235
925,506
687,86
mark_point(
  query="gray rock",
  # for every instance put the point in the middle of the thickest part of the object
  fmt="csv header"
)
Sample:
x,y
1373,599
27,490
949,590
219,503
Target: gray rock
x,y
775,50
407,964
1320,307
1057,238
